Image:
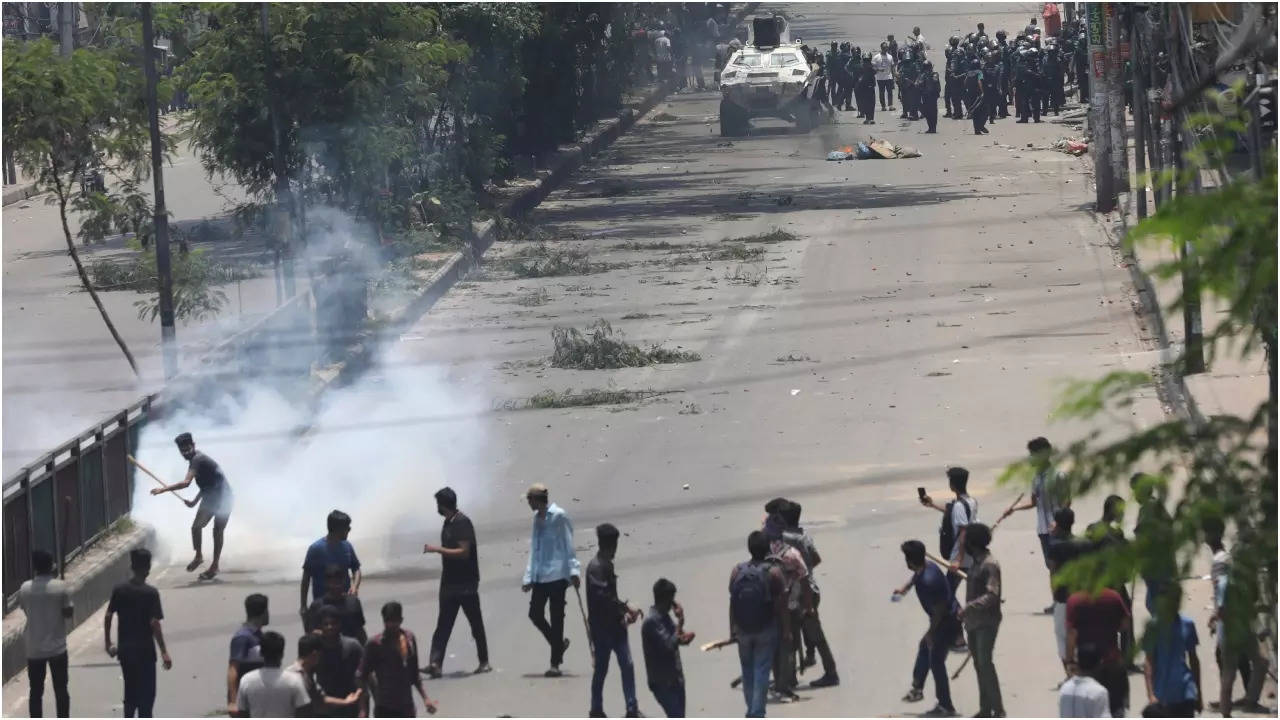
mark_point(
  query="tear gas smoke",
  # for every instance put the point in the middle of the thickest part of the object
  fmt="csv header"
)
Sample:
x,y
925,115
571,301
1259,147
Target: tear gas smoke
x,y
284,483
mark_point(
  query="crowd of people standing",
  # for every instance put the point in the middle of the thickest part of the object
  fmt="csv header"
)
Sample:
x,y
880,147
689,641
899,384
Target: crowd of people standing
x,y
773,604
980,77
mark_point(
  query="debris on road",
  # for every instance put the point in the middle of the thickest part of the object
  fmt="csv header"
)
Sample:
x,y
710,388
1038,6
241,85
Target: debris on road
x,y
599,349
873,149
1071,146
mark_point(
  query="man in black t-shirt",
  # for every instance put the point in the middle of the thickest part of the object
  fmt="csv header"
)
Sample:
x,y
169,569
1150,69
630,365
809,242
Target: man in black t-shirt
x,y
214,499
138,605
459,582
347,606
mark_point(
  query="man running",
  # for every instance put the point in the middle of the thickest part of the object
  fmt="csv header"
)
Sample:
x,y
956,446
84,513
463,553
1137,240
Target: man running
x,y
214,499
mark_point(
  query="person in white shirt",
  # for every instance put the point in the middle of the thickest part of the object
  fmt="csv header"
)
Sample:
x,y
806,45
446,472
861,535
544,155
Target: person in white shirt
x,y
271,691
47,603
662,53
915,35
1081,696
1048,496
884,62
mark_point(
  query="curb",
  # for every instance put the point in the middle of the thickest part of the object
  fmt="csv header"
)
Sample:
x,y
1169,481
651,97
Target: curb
x,y
91,585
19,194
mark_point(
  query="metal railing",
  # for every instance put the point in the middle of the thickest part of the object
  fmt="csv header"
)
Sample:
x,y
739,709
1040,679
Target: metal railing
x,y
68,499
65,501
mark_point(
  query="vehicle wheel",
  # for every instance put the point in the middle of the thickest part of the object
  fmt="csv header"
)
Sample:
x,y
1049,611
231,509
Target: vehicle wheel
x,y
733,122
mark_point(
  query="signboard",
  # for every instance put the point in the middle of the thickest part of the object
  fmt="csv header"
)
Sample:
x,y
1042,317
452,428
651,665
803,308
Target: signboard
x,y
1096,24
1099,64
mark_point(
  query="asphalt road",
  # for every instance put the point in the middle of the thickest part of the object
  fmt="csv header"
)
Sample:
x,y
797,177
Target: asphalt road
x,y
924,318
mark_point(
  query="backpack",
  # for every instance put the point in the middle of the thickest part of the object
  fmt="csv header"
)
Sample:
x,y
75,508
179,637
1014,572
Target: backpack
x,y
750,598
947,532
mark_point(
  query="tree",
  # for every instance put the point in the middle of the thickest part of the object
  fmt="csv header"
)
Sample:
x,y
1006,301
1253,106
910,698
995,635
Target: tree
x,y
66,117
1227,463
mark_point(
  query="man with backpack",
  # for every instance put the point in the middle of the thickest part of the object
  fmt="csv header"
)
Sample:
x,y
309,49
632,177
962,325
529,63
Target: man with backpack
x,y
957,515
799,604
815,639
757,619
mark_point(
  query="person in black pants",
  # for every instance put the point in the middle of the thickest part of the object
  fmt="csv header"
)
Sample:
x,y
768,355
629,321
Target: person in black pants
x,y
974,96
930,89
47,603
459,582
865,90
138,605
552,567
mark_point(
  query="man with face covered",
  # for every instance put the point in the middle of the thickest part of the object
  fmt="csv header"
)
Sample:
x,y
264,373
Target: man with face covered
x,y
214,499
459,582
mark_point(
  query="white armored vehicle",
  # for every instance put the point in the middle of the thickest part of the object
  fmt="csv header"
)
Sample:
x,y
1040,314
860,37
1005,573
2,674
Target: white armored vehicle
x,y
770,77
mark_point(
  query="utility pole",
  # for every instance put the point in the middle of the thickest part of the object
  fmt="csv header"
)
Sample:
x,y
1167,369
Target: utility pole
x,y
67,28
1116,100
168,333
284,205
1099,132
1192,319
1139,118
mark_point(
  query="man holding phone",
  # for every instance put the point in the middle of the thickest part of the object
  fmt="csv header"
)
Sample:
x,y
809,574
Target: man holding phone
x,y
956,516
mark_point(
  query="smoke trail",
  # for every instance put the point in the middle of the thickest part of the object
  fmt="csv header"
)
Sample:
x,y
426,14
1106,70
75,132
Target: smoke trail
x,y
284,484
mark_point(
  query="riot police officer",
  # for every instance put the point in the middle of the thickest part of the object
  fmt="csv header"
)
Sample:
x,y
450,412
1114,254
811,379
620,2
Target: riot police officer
x,y
909,78
974,91
1029,81
951,73
991,84
930,88
1006,74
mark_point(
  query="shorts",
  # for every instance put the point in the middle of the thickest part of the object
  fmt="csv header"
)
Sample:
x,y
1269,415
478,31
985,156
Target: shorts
x,y
1060,628
214,506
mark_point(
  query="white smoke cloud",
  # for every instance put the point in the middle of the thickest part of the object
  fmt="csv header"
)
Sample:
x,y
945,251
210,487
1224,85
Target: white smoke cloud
x,y
367,453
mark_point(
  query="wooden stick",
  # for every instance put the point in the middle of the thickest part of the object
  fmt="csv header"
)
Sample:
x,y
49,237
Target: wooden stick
x,y
144,469
947,566
963,665
719,644
1006,512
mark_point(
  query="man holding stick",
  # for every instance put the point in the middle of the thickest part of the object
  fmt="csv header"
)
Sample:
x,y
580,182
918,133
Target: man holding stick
x,y
939,603
1048,496
214,499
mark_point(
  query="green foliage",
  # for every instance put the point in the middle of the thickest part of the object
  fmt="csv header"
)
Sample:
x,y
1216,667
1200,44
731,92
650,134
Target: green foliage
x,y
196,281
1223,465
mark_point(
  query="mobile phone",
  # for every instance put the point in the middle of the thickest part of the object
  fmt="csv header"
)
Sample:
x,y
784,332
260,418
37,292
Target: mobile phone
x,y
922,494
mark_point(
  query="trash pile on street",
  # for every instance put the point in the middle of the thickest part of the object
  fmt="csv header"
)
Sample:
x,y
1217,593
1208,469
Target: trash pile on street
x,y
1072,146
873,149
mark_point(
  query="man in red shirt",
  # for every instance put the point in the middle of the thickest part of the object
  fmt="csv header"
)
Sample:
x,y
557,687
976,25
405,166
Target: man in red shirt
x,y
389,669
1098,620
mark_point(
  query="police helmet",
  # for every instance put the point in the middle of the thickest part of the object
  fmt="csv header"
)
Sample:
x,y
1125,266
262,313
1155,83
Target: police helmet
x,y
1000,34
954,41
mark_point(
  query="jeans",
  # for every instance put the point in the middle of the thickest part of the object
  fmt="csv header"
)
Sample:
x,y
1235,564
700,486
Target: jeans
x,y
982,644
886,93
816,639
451,600
1184,709
671,698
57,666
935,659
755,654
1229,662
553,632
606,643
139,673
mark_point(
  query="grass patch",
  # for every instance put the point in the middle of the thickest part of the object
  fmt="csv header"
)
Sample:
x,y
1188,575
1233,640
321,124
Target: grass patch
x,y
638,316
738,252
600,348
665,117
792,357
744,275
772,237
539,261
551,399
637,245
536,298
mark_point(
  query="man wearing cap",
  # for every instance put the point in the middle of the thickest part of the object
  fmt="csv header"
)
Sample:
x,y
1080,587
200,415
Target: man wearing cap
x,y
552,566
214,499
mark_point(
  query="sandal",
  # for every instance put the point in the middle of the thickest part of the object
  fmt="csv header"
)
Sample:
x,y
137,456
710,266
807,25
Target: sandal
x,y
913,695
209,574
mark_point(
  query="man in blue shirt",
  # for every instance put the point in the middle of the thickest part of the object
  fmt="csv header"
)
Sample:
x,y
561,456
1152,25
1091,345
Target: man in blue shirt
x,y
1173,669
939,603
246,646
552,566
332,549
